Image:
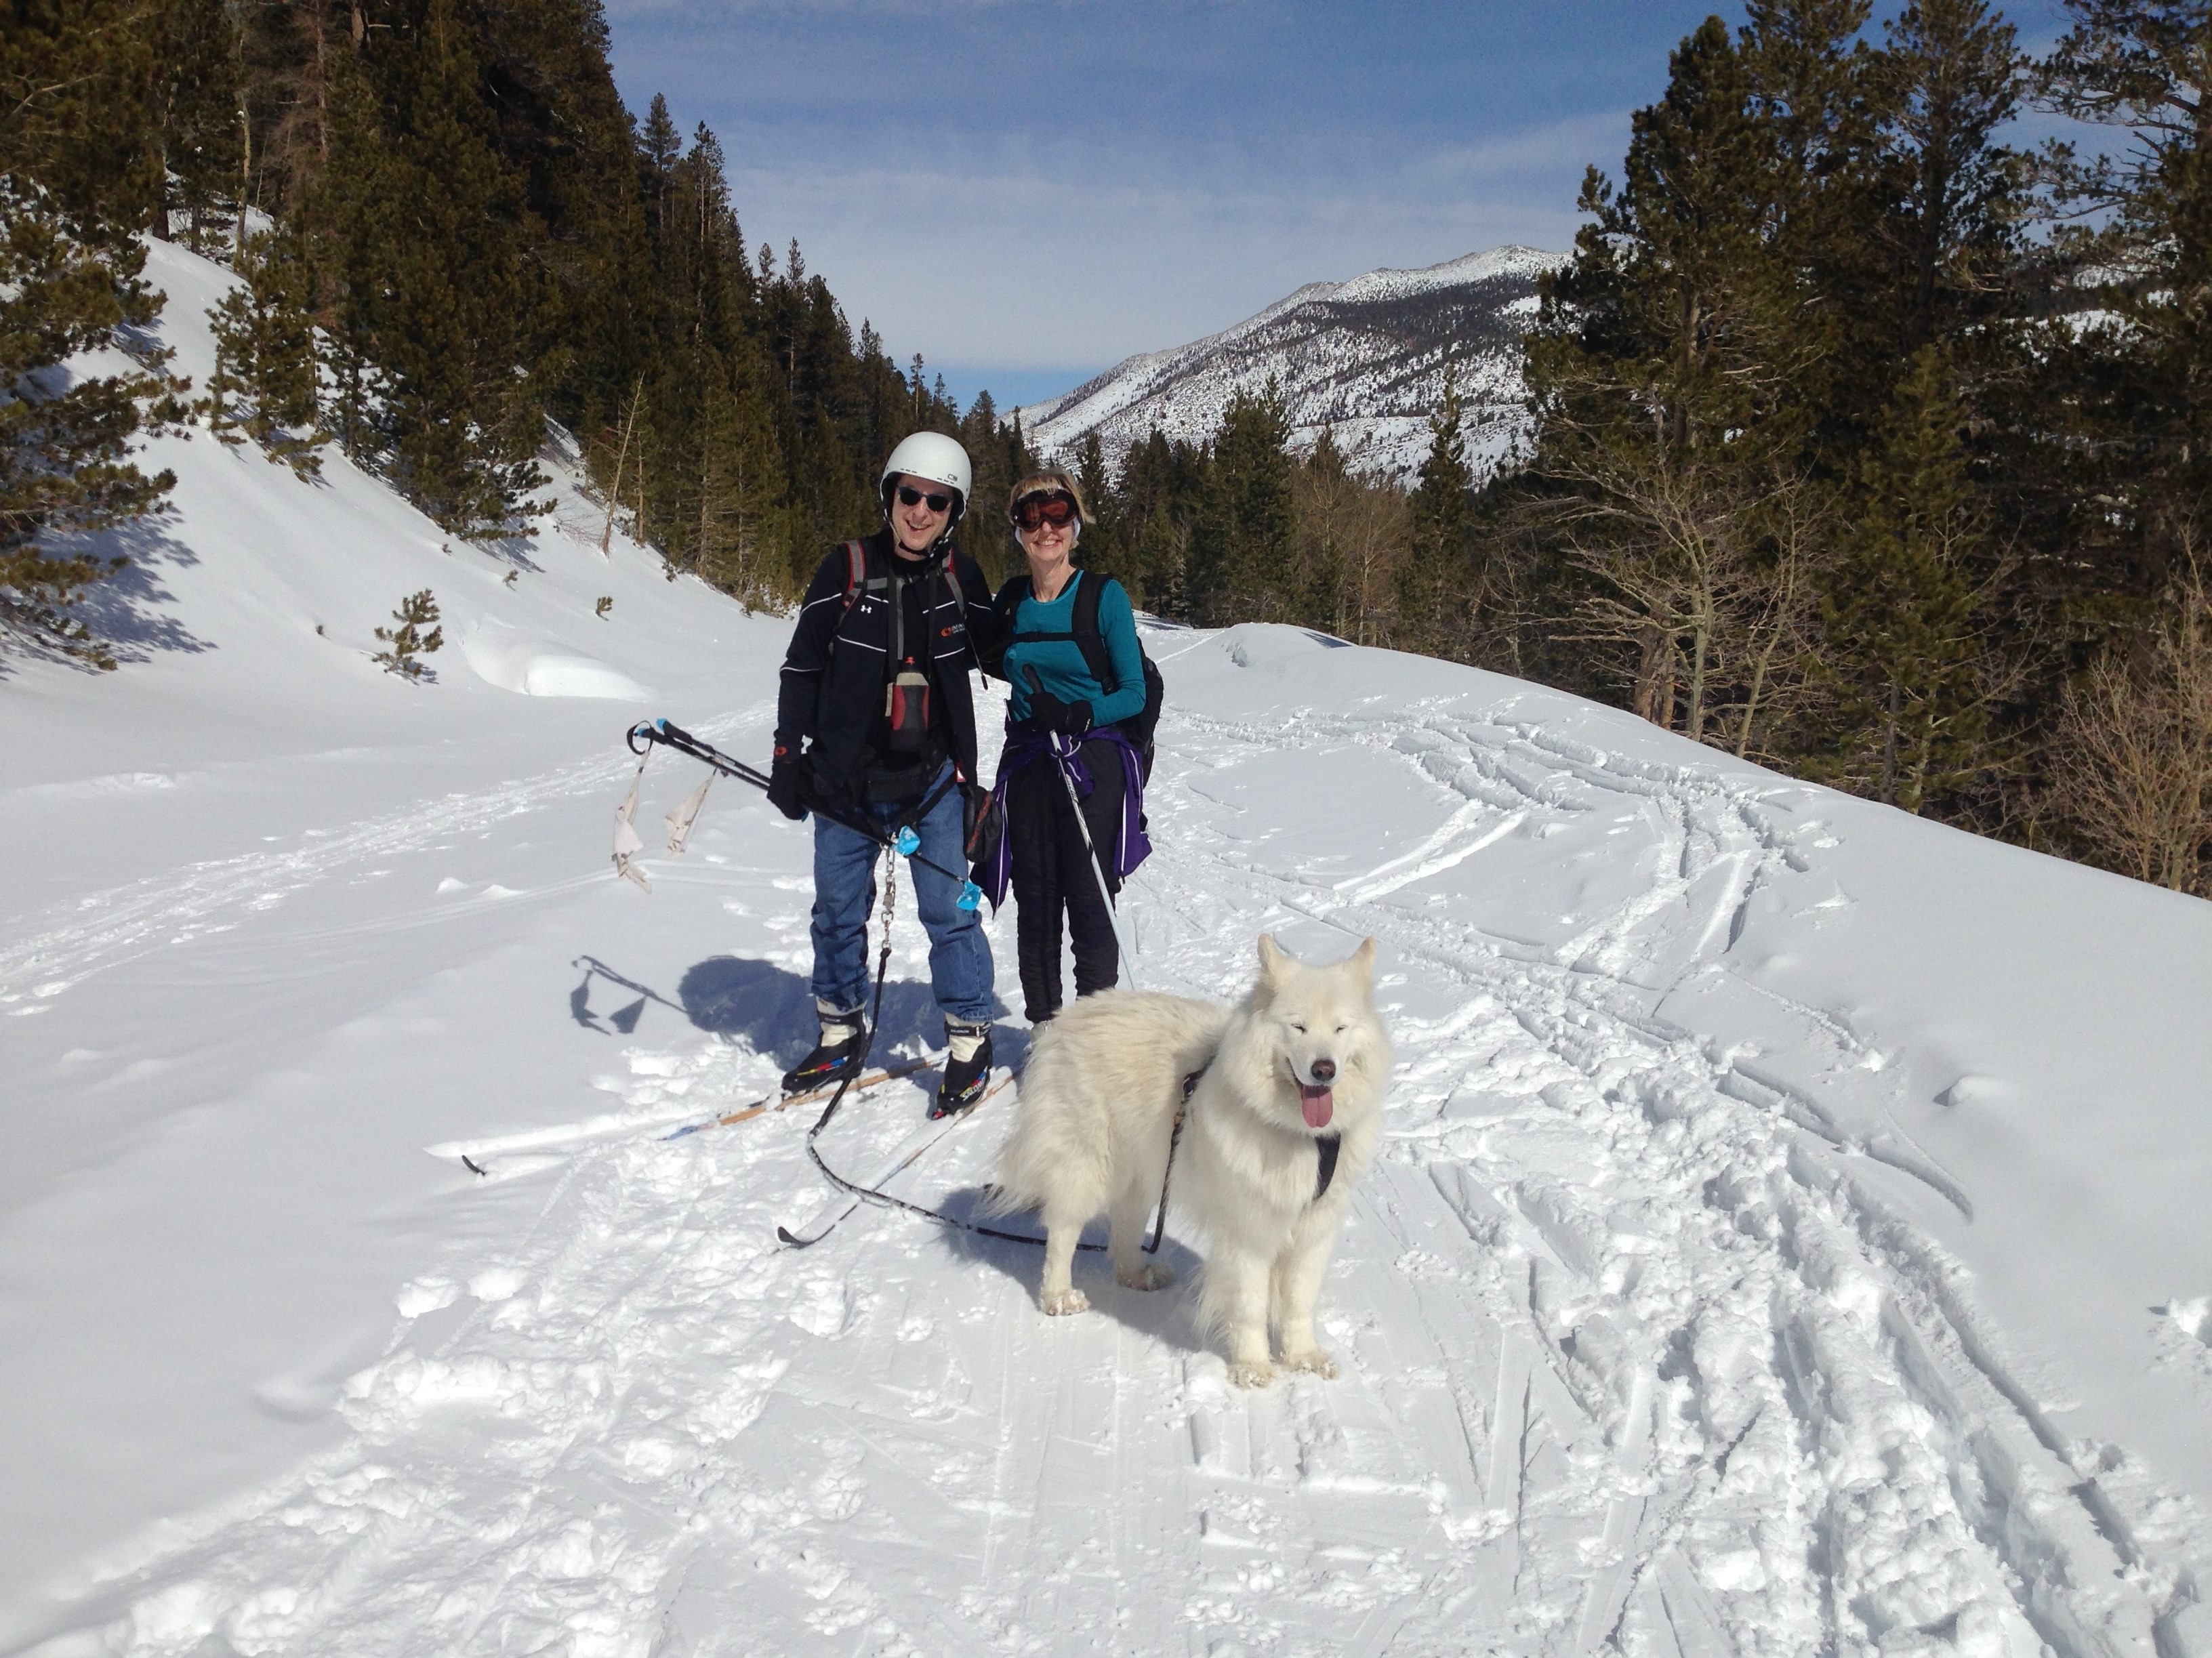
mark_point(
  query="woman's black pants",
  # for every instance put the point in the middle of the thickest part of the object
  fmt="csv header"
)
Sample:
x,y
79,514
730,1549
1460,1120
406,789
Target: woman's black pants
x,y
1052,873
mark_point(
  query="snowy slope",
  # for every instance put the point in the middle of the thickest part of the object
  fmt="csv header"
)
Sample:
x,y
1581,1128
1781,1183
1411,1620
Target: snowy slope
x,y
1366,357
1791,1237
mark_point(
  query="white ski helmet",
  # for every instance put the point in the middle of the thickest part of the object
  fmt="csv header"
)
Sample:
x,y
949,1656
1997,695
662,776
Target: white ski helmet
x,y
934,456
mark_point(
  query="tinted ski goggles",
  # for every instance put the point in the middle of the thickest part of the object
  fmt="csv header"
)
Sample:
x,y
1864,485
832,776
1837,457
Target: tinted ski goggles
x,y
910,496
1057,508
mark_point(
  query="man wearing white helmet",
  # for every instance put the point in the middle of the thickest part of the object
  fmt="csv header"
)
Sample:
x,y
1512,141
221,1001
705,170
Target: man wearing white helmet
x,y
875,724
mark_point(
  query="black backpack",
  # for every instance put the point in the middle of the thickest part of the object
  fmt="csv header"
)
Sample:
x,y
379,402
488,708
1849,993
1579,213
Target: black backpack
x,y
1084,632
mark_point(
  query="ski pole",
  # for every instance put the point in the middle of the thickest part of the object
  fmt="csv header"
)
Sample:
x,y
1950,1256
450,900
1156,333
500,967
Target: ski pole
x,y
1097,869
906,843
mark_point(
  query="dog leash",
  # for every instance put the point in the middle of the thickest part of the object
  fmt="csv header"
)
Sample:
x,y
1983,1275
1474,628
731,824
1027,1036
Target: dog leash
x,y
1326,1146
875,1024
884,1199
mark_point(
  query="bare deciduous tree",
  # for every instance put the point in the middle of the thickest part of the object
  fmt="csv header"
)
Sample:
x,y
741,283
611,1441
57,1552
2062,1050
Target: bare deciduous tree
x,y
2131,764
1702,569
1352,534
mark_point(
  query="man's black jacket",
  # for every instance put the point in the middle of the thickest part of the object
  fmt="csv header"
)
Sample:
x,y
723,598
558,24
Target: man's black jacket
x,y
834,674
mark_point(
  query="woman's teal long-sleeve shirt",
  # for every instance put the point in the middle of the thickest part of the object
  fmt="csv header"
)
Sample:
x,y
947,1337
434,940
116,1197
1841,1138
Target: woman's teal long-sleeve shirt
x,y
1059,663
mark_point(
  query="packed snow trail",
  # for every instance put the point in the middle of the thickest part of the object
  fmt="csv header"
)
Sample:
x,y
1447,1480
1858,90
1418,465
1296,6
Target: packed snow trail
x,y
1647,1343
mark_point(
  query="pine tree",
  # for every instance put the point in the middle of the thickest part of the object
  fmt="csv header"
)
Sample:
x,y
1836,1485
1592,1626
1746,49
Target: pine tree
x,y
78,183
265,377
1905,650
1243,539
740,543
1102,549
203,127
1948,80
1436,600
2141,385
291,56
406,645
1676,368
438,299
593,322
1159,488
998,455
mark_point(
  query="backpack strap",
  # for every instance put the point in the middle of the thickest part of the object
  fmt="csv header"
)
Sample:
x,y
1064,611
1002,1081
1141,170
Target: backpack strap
x,y
1088,639
1082,625
858,581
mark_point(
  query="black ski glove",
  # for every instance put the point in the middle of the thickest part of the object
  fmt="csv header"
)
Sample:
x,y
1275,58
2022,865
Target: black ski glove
x,y
791,784
1049,713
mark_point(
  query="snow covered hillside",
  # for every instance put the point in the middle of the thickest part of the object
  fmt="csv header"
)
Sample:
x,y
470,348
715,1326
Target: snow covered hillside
x,y
1791,1237
1366,356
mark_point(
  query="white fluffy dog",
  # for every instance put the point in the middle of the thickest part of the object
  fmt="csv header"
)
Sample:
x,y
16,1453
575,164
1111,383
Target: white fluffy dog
x,y
1285,1117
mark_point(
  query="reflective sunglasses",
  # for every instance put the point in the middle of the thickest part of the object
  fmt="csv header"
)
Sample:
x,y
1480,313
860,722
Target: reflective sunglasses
x,y
1056,509
910,496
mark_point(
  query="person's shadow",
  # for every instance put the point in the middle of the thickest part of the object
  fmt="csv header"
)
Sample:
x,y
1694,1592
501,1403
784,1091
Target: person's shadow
x,y
770,1008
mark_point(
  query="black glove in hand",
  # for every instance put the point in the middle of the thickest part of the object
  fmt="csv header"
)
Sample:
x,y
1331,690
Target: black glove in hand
x,y
1049,713
791,785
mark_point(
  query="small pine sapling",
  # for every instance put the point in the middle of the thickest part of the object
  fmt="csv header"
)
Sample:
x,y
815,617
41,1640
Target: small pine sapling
x,y
603,607
404,643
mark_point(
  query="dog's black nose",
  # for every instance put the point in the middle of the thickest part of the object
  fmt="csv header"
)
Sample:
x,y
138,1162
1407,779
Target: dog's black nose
x,y
1324,1071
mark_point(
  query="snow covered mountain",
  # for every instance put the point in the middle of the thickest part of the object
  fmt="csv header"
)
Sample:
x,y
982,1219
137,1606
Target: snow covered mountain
x,y
1366,356
1790,1236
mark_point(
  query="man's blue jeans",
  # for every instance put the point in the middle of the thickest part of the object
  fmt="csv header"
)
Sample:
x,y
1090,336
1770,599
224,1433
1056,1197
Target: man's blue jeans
x,y
845,895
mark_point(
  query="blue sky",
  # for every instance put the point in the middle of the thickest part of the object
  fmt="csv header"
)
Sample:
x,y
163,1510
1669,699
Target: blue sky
x,y
1026,192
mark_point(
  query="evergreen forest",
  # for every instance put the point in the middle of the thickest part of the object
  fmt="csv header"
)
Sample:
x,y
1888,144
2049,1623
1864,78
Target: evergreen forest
x,y
1868,442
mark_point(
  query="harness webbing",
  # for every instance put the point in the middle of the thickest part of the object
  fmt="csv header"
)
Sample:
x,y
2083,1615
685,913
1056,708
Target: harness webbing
x,y
1328,1145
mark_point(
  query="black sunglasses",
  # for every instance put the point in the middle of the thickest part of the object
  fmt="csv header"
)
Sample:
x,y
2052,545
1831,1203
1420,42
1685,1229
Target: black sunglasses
x,y
910,496
1055,509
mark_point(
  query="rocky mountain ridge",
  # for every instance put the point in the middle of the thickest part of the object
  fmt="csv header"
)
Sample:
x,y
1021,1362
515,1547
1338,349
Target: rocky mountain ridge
x,y
1365,358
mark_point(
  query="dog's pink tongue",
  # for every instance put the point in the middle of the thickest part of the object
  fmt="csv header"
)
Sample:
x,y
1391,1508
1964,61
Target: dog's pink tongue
x,y
1317,1103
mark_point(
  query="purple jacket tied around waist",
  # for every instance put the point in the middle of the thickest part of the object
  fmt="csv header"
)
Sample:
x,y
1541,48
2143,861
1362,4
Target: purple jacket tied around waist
x,y
1131,847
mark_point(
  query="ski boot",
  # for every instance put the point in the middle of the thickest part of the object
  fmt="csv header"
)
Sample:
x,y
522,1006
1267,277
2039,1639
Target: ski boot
x,y
838,1055
966,1068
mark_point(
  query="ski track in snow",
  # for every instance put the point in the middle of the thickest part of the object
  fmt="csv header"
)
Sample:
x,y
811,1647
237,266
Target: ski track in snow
x,y
1632,1359
57,951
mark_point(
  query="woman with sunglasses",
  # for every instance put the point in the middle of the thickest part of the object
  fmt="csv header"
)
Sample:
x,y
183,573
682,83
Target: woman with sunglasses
x,y
1063,746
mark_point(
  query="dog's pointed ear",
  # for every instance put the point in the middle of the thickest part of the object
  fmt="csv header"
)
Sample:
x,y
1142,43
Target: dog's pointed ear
x,y
1365,956
1273,960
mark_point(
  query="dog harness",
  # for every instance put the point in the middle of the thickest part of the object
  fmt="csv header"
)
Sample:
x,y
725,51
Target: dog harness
x,y
1327,1145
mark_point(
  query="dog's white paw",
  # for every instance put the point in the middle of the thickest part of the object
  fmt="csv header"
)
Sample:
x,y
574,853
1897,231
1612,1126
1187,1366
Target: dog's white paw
x,y
1251,1372
1056,1302
1150,1276
1312,1359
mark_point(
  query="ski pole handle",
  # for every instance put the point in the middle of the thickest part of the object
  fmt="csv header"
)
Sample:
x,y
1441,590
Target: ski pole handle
x,y
675,737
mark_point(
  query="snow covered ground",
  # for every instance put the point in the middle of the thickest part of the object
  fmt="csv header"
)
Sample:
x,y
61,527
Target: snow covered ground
x,y
1792,1238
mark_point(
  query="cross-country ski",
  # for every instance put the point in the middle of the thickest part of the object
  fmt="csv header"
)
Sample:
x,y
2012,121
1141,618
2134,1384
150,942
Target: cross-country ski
x,y
812,1232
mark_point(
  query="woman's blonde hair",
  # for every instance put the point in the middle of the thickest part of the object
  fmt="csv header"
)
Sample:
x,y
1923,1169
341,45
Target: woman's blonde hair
x,y
1044,482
